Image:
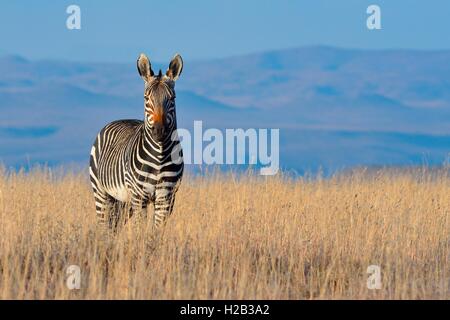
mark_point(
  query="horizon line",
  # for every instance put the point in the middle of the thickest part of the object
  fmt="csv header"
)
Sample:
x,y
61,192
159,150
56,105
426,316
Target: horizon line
x,y
25,58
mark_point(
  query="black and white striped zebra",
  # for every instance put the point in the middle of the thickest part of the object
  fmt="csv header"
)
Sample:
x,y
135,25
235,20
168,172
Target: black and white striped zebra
x,y
133,162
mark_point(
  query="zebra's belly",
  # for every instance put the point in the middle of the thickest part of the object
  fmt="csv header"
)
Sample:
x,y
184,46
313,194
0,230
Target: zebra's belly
x,y
120,193
149,189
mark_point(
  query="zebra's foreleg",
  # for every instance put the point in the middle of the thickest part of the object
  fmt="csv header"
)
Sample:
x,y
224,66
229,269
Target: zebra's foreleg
x,y
164,201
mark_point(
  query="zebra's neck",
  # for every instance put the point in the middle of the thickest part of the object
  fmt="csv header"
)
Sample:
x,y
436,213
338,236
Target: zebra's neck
x,y
158,150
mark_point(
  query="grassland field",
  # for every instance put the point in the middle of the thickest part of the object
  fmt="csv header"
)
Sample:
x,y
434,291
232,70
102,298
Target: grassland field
x,y
233,237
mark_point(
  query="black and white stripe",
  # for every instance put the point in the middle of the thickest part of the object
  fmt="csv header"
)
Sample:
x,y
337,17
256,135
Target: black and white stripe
x,y
134,163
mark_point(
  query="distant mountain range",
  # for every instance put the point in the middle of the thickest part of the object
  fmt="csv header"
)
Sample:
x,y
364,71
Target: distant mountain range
x,y
335,108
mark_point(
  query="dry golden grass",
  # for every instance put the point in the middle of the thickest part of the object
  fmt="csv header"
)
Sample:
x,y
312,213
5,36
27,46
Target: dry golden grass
x,y
233,238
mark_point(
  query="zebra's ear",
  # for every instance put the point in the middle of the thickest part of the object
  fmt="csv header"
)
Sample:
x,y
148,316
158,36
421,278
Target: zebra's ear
x,y
144,67
175,67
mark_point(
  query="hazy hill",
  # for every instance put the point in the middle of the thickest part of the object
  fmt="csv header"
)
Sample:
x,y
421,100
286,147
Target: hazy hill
x,y
335,107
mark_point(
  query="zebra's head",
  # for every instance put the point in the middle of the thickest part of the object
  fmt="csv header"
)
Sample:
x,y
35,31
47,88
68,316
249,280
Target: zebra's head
x,y
159,96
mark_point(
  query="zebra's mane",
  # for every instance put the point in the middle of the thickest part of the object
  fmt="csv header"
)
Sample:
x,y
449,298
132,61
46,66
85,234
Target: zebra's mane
x,y
159,88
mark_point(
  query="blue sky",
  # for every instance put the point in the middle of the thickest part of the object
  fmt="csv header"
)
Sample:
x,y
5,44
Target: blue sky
x,y
118,30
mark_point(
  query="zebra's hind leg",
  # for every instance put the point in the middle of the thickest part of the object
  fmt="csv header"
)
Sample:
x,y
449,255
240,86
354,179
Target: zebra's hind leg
x,y
122,212
117,216
106,209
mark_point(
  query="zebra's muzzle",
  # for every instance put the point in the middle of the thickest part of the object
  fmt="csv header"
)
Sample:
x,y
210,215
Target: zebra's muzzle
x,y
158,131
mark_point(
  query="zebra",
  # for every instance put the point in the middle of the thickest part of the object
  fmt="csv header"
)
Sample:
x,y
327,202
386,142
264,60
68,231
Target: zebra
x,y
134,162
